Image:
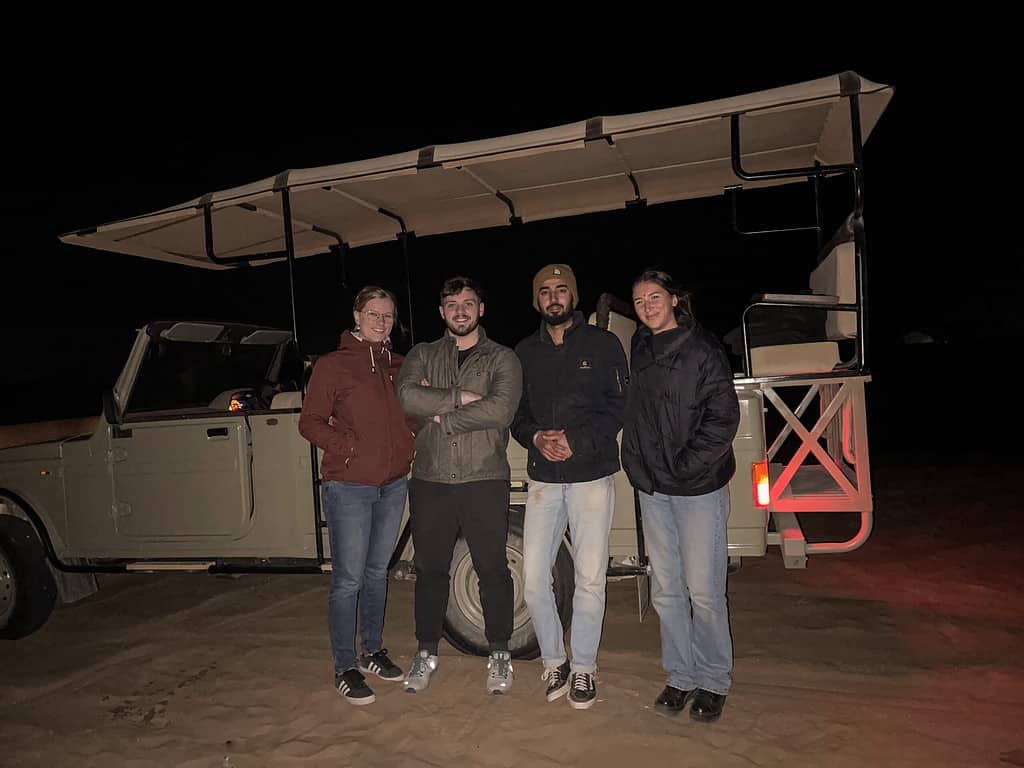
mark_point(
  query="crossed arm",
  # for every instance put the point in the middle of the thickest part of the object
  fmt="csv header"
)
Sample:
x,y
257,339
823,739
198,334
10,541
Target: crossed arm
x,y
458,410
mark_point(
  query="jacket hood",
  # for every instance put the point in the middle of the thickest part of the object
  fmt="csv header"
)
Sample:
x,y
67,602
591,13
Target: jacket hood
x,y
372,351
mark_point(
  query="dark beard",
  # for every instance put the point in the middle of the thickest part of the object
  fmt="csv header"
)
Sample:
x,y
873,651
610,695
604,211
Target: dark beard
x,y
559,319
469,328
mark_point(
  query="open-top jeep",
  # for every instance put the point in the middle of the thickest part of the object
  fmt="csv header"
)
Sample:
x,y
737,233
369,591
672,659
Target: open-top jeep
x,y
196,462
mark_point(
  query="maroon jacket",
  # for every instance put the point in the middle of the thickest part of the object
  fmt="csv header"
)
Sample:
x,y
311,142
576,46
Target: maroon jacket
x,y
352,413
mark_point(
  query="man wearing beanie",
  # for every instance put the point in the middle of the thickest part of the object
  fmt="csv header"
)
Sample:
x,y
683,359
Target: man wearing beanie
x,y
574,392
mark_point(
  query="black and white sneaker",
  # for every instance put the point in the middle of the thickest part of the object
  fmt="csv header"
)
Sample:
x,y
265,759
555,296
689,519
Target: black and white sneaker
x,y
558,680
582,691
352,686
380,665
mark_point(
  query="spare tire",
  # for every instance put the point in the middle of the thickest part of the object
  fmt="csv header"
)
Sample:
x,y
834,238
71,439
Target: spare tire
x,y
464,620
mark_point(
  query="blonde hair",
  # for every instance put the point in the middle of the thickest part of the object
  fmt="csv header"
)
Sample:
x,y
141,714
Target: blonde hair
x,y
371,292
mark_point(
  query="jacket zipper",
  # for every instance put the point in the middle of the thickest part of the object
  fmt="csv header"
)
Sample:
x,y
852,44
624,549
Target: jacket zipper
x,y
559,351
388,413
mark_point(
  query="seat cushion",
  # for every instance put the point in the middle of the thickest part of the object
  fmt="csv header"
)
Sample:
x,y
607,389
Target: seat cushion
x,y
837,276
781,359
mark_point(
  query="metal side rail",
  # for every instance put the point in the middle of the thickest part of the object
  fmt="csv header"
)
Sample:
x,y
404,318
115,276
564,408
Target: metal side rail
x,y
828,472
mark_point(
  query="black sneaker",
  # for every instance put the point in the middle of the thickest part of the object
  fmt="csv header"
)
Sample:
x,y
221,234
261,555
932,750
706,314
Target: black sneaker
x,y
558,680
380,665
352,686
582,691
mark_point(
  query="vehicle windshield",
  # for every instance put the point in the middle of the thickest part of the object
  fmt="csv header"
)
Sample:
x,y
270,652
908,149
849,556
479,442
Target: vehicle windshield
x,y
177,375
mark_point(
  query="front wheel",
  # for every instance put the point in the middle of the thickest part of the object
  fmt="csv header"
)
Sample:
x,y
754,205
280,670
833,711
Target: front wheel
x,y
464,621
27,589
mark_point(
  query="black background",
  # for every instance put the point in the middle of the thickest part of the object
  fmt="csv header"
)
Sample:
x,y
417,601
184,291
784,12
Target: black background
x,y
109,118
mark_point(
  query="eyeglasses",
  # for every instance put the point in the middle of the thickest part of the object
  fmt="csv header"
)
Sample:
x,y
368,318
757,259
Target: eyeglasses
x,y
376,316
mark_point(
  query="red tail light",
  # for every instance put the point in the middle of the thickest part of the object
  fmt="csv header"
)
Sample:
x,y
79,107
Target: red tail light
x,y
759,473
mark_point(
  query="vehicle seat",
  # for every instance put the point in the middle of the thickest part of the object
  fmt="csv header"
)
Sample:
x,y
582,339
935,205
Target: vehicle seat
x,y
833,281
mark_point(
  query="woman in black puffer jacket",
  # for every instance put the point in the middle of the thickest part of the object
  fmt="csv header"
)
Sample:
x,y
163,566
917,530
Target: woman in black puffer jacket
x,y
681,417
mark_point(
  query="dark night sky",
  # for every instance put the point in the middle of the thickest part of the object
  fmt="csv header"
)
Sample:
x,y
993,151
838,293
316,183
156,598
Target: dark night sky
x,y
113,121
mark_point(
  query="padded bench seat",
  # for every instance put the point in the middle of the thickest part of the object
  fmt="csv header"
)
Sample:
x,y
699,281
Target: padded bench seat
x,y
782,359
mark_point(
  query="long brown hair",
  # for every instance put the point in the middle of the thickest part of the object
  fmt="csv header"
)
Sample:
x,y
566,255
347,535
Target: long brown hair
x,y
685,306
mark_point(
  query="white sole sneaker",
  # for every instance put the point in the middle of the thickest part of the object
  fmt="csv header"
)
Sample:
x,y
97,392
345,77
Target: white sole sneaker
x,y
413,684
345,688
359,702
582,704
371,670
575,678
497,683
563,689
559,693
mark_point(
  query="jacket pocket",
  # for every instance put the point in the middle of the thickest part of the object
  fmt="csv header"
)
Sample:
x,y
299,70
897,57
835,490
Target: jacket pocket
x,y
351,448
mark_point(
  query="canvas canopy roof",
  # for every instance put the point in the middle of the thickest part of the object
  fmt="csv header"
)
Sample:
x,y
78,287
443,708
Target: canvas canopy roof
x,y
592,165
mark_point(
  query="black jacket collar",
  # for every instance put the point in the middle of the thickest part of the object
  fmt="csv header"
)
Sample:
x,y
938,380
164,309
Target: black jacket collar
x,y
577,321
666,344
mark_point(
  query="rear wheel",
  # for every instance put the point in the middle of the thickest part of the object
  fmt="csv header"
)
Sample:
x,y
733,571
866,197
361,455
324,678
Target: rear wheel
x,y
464,621
27,589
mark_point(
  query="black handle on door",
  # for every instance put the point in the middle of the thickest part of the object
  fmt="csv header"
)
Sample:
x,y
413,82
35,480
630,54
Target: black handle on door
x,y
217,432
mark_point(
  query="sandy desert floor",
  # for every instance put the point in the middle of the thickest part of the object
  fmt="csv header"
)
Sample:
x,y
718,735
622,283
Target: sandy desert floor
x,y
907,652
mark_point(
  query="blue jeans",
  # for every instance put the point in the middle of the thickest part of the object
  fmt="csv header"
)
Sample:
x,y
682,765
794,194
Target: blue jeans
x,y
587,509
363,522
686,541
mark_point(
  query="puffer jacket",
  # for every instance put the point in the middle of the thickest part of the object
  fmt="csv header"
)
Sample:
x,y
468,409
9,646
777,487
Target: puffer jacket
x,y
681,412
351,411
470,441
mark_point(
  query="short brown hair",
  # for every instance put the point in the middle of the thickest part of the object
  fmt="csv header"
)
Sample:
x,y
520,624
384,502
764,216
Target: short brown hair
x,y
453,286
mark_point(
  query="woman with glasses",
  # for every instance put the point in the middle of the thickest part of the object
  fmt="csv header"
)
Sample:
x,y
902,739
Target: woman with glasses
x,y
351,412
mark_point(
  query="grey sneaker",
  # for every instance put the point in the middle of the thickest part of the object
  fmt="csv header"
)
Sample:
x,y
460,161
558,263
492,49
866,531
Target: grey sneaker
x,y
423,666
558,680
499,672
583,692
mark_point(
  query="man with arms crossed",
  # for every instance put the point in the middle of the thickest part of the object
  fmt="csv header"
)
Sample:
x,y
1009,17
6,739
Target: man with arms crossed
x,y
466,388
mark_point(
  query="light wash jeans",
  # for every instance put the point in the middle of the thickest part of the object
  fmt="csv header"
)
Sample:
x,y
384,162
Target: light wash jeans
x,y
587,509
686,542
363,522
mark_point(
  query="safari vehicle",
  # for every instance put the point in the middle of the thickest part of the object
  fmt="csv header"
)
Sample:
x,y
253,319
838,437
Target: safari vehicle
x,y
196,463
